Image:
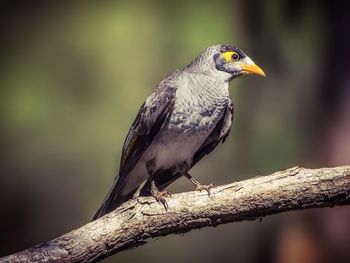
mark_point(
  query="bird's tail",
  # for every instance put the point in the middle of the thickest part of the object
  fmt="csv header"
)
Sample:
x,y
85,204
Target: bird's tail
x,y
112,201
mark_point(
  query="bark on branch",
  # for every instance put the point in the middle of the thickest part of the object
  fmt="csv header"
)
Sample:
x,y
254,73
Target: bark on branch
x,y
136,221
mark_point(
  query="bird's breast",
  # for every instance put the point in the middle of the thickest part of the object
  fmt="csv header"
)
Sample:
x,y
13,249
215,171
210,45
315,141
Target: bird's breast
x,y
192,120
197,110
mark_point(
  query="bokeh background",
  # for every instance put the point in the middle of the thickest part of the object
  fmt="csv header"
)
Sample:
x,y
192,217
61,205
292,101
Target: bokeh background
x,y
74,73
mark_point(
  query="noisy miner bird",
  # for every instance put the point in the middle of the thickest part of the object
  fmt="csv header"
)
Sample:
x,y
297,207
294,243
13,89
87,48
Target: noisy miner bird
x,y
187,115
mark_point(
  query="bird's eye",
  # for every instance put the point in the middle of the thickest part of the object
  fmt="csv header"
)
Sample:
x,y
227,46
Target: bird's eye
x,y
235,56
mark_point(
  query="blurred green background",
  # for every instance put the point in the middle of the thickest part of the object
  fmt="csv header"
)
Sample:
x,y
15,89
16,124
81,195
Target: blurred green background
x,y
74,73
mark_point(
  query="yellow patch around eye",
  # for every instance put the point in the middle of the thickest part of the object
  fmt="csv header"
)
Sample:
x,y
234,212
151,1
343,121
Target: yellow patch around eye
x,y
228,55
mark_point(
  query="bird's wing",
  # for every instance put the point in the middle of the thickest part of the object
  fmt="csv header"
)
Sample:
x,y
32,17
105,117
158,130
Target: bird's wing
x,y
219,134
152,116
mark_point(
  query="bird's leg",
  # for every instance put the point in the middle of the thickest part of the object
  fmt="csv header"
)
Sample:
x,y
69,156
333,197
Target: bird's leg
x,y
198,185
158,195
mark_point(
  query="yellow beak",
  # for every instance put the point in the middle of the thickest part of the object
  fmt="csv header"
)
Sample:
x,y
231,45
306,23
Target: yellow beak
x,y
253,69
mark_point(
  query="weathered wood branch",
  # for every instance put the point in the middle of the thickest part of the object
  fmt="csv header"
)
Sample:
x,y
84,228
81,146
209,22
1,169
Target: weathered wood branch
x,y
136,221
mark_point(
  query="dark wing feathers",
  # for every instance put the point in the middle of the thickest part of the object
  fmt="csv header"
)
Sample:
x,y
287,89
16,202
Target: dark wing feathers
x,y
152,116
219,134
225,131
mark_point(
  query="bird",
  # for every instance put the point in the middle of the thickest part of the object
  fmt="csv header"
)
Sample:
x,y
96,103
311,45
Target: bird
x,y
186,116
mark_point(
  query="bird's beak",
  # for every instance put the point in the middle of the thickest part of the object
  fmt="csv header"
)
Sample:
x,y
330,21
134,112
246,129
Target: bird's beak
x,y
252,69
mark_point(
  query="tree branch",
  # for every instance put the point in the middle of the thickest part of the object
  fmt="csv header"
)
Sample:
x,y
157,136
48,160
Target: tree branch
x,y
136,221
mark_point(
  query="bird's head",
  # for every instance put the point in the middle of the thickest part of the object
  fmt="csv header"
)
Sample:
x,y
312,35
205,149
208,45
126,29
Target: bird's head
x,y
228,59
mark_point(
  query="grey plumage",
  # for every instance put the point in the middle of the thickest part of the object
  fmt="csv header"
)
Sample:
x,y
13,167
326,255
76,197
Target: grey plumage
x,y
187,115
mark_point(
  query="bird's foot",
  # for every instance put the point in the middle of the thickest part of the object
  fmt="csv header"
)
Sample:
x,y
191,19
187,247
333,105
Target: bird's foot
x,y
160,197
201,187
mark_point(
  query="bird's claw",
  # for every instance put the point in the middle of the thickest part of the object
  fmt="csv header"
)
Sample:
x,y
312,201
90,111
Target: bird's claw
x,y
160,197
201,187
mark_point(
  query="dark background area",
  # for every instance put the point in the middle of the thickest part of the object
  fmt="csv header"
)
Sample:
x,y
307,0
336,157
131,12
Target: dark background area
x,y
73,75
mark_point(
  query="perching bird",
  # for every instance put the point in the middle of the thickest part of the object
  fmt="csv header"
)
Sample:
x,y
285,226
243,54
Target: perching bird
x,y
188,114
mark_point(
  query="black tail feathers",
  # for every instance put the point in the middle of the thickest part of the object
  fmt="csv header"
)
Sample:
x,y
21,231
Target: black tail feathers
x,y
111,201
